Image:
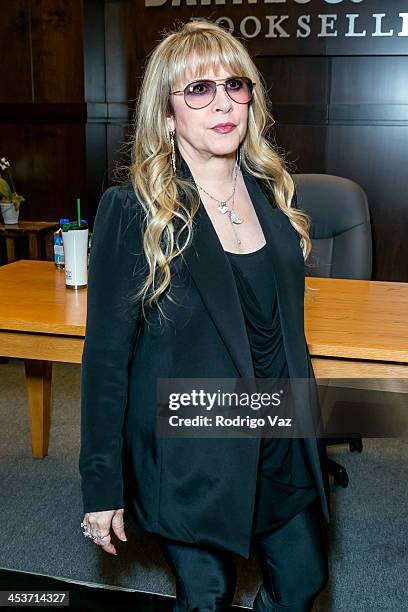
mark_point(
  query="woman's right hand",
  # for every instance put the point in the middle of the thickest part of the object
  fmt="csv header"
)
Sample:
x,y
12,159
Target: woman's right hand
x,y
100,523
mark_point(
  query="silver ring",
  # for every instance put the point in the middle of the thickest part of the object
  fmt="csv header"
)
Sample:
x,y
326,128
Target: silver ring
x,y
96,538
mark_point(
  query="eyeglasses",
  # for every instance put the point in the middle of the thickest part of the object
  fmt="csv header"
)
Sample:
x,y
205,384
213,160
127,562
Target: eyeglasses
x,y
199,94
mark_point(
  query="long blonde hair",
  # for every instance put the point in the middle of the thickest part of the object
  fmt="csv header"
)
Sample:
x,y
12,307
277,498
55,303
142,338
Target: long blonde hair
x,y
203,45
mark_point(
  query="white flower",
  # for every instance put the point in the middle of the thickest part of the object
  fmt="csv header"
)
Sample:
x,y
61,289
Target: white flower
x,y
3,160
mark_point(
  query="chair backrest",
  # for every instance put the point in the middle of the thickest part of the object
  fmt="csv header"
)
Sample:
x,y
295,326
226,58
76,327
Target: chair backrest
x,y
341,228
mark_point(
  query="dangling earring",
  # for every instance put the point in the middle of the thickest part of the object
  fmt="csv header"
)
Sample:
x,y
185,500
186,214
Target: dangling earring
x,y
173,151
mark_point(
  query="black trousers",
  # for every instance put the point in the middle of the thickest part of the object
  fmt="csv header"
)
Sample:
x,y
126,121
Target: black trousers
x,y
292,558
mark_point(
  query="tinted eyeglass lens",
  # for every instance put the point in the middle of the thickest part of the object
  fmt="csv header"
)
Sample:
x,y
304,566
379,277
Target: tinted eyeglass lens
x,y
202,93
199,93
240,90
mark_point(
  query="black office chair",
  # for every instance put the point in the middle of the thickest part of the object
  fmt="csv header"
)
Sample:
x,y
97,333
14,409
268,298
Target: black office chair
x,y
342,248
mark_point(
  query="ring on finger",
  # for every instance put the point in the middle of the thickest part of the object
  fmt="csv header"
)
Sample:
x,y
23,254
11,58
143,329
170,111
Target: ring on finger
x,y
96,538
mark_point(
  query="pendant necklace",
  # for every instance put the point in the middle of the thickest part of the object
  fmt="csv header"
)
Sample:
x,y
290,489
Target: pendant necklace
x,y
222,204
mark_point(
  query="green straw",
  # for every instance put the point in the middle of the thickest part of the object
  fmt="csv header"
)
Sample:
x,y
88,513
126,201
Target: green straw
x,y
79,211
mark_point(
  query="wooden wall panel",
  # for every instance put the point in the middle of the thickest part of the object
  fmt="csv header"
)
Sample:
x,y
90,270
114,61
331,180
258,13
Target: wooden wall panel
x,y
42,108
368,80
376,160
57,50
15,53
118,134
296,80
121,59
50,167
303,146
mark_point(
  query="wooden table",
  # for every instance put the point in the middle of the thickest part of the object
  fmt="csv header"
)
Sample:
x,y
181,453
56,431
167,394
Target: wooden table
x,y
357,329
39,234
40,321
354,329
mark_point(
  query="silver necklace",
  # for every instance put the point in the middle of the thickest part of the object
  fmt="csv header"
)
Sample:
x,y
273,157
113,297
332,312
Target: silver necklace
x,y
222,204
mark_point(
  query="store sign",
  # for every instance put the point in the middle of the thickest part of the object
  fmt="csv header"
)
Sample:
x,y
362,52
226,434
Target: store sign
x,y
382,24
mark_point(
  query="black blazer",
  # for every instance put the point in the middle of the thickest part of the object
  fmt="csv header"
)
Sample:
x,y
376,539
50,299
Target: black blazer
x,y
196,490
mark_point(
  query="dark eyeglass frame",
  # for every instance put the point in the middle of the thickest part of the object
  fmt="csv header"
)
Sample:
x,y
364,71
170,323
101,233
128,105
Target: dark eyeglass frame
x,y
217,83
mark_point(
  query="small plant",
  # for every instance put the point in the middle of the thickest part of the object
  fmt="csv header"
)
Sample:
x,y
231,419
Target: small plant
x,y
7,189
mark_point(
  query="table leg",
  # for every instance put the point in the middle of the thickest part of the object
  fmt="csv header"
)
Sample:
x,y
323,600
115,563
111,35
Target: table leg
x,y
34,246
49,246
11,250
38,381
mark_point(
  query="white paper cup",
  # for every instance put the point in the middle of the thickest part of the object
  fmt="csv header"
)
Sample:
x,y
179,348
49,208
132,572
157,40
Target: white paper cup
x,y
76,257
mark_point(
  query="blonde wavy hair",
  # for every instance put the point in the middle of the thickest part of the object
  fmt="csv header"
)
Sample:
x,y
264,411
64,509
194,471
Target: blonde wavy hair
x,y
189,51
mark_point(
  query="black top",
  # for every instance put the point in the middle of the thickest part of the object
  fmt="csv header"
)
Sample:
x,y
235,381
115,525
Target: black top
x,y
285,484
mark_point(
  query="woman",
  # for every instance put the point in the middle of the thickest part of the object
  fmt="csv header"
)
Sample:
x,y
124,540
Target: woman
x,y
197,271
